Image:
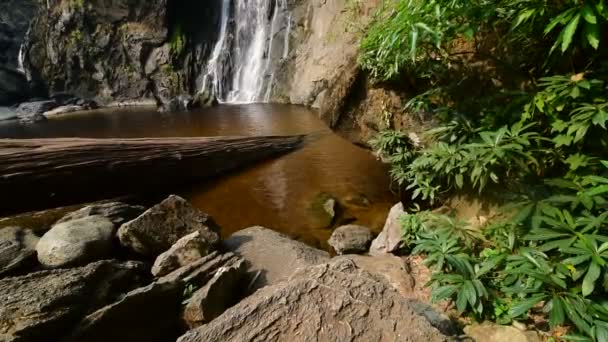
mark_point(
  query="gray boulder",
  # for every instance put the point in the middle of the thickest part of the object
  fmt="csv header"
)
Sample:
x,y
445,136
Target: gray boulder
x,y
43,306
117,212
184,252
76,242
36,107
351,239
161,226
202,270
146,314
17,247
390,239
272,257
221,292
328,302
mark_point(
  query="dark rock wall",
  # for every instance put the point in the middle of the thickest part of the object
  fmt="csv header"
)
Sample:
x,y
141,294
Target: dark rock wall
x,y
15,17
96,48
120,50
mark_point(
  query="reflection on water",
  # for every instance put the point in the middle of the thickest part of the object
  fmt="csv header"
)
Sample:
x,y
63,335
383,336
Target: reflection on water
x,y
277,194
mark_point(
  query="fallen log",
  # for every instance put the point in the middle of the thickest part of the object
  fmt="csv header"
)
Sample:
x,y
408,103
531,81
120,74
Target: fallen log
x,y
40,173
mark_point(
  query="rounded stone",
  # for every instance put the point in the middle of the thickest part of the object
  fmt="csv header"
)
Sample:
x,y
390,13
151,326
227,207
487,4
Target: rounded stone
x,y
76,242
351,239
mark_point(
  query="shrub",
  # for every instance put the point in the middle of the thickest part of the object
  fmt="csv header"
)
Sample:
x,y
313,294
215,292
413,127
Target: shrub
x,y
538,143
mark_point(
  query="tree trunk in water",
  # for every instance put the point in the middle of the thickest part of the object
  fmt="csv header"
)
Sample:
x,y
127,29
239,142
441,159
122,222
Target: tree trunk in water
x,y
38,173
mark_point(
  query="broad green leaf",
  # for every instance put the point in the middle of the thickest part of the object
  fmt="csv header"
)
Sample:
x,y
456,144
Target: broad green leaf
x,y
522,307
592,275
569,32
592,33
557,314
588,14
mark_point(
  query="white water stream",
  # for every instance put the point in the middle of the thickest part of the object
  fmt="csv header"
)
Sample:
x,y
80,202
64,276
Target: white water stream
x,y
253,38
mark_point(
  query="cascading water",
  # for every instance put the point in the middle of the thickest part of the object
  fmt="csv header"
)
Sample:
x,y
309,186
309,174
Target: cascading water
x,y
253,38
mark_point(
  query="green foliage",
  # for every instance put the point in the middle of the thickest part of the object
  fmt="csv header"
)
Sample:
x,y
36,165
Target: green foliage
x,y
540,142
189,290
177,40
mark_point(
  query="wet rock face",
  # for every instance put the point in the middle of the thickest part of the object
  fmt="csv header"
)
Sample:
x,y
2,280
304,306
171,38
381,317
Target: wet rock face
x,y
15,17
117,51
96,48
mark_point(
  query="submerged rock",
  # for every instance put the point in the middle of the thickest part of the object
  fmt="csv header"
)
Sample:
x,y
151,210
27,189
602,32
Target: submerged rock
x,y
328,302
146,314
43,306
351,239
324,209
177,104
116,212
76,242
187,250
272,257
161,226
389,240
221,292
17,247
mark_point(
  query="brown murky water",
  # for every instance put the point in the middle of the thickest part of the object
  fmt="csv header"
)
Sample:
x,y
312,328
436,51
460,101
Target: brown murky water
x,y
277,194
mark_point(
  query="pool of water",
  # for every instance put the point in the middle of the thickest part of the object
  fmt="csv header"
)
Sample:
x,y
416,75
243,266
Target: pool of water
x,y
281,194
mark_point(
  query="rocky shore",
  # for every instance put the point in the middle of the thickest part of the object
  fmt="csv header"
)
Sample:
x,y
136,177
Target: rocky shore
x,y
120,272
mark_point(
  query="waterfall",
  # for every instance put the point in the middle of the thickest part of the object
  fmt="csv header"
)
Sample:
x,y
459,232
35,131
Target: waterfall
x,y
253,39
21,59
214,70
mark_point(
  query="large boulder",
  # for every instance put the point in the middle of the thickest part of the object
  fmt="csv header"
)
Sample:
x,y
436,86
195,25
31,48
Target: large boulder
x,y
390,239
328,302
187,250
221,292
17,247
351,239
272,257
13,87
43,306
394,270
161,226
145,314
117,212
76,242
